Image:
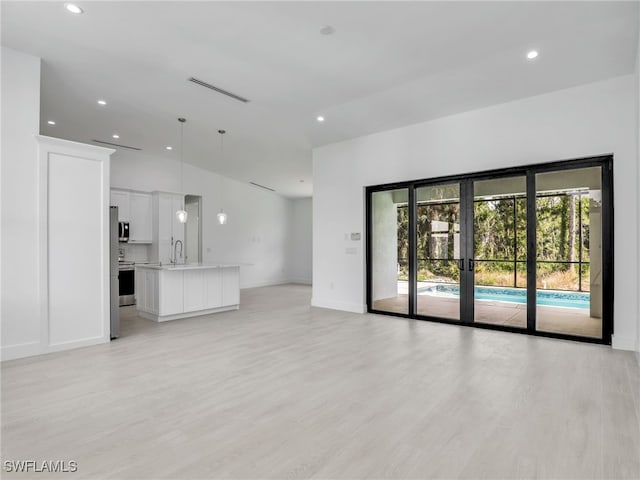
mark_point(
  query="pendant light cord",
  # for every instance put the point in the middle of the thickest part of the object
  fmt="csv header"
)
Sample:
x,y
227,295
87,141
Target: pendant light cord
x,y
222,217
181,154
222,132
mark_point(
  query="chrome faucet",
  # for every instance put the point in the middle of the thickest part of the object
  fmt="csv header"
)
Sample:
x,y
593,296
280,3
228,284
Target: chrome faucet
x,y
175,258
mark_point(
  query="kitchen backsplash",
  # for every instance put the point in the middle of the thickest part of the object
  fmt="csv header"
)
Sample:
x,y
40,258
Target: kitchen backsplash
x,y
135,253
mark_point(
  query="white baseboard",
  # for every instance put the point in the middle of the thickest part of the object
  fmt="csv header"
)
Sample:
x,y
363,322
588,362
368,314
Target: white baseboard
x,y
344,306
297,281
71,344
623,343
177,316
11,352
271,283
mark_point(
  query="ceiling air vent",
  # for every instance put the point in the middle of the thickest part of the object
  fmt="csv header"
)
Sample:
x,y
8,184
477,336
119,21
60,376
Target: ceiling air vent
x,y
115,145
217,89
262,186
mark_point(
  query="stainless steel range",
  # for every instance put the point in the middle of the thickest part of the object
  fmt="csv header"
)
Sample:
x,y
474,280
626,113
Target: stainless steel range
x,y
127,271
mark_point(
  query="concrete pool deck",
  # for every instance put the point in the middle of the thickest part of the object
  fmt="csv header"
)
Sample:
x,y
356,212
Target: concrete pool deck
x,y
570,321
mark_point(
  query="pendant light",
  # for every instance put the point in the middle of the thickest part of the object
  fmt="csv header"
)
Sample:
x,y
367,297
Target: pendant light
x,y
181,214
222,217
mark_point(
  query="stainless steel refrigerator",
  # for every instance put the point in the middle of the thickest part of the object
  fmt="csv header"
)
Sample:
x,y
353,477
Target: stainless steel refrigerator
x,y
114,272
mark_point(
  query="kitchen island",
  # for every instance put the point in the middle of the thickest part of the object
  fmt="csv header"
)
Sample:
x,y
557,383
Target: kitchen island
x,y
169,292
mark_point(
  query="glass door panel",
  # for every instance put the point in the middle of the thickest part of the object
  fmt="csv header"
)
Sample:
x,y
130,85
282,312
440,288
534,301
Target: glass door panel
x,y
500,251
439,252
527,248
569,252
390,251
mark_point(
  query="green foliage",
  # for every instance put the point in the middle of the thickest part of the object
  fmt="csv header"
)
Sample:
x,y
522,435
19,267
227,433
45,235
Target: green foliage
x,y
500,240
558,219
500,229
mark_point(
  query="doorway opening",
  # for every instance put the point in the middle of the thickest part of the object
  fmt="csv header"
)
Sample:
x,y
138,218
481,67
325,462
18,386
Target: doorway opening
x,y
193,229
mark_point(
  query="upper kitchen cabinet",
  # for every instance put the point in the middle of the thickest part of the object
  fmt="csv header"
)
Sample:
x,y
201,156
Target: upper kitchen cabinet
x,y
120,199
141,222
137,209
167,230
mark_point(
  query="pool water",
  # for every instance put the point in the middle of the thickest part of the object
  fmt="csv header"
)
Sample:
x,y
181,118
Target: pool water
x,y
551,298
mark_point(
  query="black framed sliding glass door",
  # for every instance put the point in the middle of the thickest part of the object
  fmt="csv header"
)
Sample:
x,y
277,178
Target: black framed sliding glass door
x,y
527,249
569,237
500,251
389,243
438,251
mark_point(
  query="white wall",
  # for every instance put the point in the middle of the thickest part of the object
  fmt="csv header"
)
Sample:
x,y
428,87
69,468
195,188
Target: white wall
x,y
36,270
582,121
300,260
20,309
257,234
637,103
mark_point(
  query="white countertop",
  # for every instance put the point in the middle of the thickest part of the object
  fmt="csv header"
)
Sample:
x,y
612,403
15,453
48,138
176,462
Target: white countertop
x,y
183,266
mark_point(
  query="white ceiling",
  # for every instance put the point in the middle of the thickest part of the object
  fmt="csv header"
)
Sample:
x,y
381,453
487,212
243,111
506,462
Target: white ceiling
x,y
388,64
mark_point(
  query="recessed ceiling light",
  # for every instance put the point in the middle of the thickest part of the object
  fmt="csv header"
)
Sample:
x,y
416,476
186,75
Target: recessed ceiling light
x,y
169,147
73,8
320,118
51,122
115,135
101,102
532,54
327,30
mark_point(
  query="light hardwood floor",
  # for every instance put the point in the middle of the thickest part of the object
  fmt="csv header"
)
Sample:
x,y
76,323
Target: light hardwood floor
x,y
282,390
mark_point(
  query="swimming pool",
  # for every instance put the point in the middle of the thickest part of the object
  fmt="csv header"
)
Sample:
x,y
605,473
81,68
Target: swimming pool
x,y
551,298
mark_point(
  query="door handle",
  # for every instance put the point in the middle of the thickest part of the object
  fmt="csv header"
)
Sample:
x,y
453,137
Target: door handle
x,y
471,264
461,264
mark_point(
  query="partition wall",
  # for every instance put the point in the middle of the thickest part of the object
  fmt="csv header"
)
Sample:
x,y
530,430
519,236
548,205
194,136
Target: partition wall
x,y
526,249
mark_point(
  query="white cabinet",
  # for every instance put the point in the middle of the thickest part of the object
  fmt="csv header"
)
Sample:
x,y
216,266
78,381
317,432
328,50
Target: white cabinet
x,y
135,208
205,288
141,215
230,285
213,288
120,199
167,230
168,293
147,289
194,290
163,230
